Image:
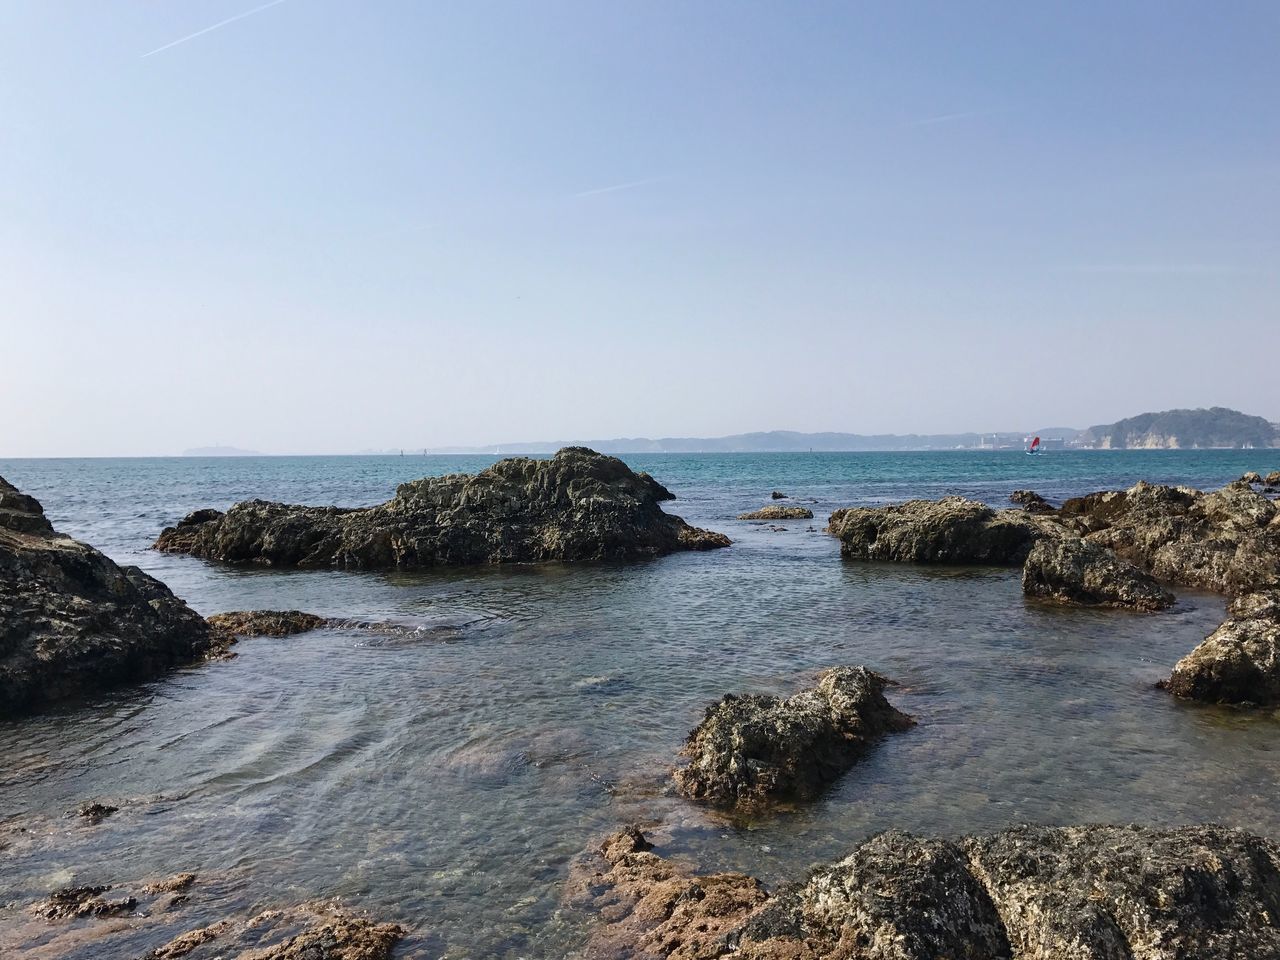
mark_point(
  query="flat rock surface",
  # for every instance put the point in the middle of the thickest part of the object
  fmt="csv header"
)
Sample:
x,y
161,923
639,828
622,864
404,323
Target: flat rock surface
x,y
753,749
1031,893
1076,571
578,505
73,622
777,512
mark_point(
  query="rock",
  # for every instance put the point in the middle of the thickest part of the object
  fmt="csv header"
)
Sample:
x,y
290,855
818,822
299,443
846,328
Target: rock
x,y
1226,540
328,933
1076,571
267,623
952,530
174,884
1240,661
753,749
79,902
97,812
1031,501
72,622
1251,477
579,505
1034,893
775,512
655,908
1272,479
778,495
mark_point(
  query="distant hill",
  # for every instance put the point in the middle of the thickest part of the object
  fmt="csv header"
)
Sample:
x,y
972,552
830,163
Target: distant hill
x,y
219,452
1182,430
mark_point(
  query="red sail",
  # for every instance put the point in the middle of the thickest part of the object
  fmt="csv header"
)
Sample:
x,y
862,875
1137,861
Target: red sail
x,y
1035,443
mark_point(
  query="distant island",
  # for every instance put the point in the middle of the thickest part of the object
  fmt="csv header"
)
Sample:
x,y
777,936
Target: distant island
x,y
1214,428
219,452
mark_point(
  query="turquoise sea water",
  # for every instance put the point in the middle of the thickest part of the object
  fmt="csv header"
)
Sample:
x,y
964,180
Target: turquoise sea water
x,y
446,777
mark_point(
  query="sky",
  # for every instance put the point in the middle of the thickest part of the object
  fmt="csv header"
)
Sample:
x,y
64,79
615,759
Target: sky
x,y
313,226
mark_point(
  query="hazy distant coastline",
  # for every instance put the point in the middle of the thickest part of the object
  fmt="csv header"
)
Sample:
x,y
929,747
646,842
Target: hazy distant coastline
x,y
1212,428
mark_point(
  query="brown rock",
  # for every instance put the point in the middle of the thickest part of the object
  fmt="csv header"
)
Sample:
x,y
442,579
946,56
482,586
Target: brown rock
x,y
1076,571
1238,663
774,512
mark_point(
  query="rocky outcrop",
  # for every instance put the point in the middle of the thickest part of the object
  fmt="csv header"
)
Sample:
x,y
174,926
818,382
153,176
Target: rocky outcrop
x,y
1238,663
1031,501
73,622
1272,479
1076,571
1031,893
1227,540
267,623
778,495
578,505
952,530
753,749
775,512
1252,477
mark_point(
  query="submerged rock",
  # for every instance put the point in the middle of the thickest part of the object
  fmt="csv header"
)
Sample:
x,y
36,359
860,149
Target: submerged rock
x,y
267,623
148,921
951,530
752,749
96,812
1240,661
1227,540
1031,893
578,505
1076,571
778,495
72,622
774,512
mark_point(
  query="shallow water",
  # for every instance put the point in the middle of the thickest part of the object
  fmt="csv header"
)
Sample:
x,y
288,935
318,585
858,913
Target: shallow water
x,y
447,776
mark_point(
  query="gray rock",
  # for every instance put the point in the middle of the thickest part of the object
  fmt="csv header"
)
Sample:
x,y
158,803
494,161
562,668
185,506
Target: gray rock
x,y
952,530
1031,501
73,622
753,749
1251,477
579,505
1034,893
1227,540
775,512
1076,571
778,495
1239,662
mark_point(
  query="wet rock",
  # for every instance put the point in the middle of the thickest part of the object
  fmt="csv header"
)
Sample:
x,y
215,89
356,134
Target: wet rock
x,y
952,530
1226,540
652,907
1076,571
79,902
1034,893
174,884
579,505
312,932
1272,479
73,622
97,812
753,749
778,495
1251,477
1240,661
267,623
775,512
1031,501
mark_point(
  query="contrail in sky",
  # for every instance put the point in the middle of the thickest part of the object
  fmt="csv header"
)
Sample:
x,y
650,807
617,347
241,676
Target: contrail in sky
x,y
220,23
947,117
619,186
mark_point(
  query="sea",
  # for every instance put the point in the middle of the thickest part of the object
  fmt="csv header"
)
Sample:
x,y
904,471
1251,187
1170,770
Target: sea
x,y
449,775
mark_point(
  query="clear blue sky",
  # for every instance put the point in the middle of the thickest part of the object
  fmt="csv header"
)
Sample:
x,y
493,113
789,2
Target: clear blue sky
x,y
331,226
